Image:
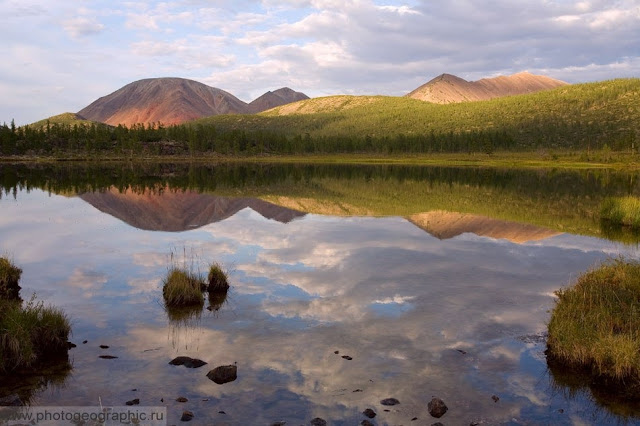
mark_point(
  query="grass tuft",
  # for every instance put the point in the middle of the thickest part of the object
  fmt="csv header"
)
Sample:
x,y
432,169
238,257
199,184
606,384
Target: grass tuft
x,y
595,324
9,278
624,211
183,288
31,334
217,279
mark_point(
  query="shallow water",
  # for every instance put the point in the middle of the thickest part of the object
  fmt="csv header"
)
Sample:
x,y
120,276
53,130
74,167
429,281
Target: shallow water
x,y
461,318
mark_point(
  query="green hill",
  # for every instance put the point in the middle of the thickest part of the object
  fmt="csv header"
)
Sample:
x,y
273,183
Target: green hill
x,y
66,118
576,116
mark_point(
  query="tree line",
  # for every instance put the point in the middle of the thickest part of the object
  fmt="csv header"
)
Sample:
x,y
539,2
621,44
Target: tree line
x,y
157,139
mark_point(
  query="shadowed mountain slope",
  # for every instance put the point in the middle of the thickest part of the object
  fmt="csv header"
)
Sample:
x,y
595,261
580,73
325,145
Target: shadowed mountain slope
x,y
447,88
175,211
444,225
276,98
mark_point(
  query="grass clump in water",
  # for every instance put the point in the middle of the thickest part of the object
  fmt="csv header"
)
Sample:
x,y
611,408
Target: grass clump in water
x,y
623,211
31,335
595,324
217,279
183,288
9,278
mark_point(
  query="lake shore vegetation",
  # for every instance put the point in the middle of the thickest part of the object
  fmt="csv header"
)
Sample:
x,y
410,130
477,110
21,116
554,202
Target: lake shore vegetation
x,y
622,211
595,324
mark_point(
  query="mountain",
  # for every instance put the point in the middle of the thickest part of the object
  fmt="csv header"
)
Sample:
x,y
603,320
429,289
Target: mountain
x,y
165,100
274,99
177,210
447,88
176,100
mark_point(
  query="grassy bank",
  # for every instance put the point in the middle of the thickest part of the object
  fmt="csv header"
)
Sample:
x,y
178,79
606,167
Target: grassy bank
x,y
557,159
595,324
31,334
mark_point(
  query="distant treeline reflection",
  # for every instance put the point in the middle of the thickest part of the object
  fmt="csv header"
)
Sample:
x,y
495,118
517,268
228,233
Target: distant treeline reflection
x,y
565,200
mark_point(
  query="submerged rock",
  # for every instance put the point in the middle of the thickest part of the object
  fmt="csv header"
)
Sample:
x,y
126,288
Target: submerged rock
x,y
223,374
347,357
71,345
181,399
133,402
437,407
107,357
390,402
369,413
318,422
366,423
187,416
187,362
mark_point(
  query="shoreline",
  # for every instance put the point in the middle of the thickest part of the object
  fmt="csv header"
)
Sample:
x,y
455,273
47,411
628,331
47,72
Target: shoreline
x,y
515,160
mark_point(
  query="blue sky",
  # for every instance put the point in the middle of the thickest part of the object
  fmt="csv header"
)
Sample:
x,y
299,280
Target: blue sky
x,y
61,55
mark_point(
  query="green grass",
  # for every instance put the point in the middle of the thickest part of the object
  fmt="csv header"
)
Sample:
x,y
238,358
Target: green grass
x,y
595,324
9,278
217,279
622,211
31,334
182,288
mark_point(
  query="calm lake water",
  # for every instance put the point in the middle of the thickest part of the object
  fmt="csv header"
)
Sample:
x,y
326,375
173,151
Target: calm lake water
x,y
425,304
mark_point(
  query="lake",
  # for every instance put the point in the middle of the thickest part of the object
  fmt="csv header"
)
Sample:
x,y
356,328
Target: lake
x,y
432,282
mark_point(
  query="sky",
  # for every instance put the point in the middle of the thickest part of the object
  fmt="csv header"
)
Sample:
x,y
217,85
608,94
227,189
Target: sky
x,y
61,55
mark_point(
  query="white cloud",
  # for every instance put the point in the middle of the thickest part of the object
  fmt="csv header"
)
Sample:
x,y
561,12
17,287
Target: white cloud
x,y
82,26
320,47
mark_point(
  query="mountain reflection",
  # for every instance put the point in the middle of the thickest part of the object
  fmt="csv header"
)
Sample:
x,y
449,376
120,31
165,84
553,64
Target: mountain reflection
x,y
166,209
444,225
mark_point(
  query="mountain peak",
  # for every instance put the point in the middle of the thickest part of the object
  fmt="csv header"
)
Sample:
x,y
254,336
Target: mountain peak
x,y
276,98
174,100
448,88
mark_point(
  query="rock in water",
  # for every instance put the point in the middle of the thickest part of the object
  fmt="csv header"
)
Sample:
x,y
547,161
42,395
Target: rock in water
x,y
223,374
187,362
318,422
186,416
389,402
437,407
369,413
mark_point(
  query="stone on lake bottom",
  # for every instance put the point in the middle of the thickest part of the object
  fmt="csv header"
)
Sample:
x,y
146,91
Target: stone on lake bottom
x,y
318,422
186,416
133,402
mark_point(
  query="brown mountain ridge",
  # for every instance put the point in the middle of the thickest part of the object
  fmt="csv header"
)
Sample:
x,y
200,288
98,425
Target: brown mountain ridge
x,y
173,100
447,88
